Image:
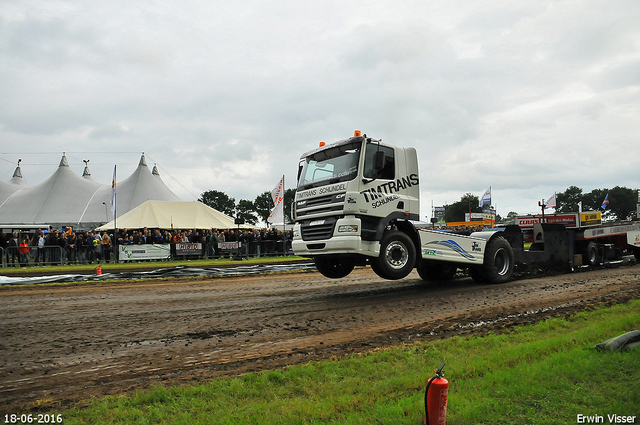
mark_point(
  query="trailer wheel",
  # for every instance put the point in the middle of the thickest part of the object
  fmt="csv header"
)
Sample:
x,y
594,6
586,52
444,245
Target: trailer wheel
x,y
498,261
429,271
590,254
397,256
334,267
636,253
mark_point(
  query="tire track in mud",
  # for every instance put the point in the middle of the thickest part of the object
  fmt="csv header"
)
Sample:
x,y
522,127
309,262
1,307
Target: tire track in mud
x,y
62,344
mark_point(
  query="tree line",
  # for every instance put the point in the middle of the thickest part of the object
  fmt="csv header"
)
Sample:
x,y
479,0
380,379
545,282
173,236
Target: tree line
x,y
622,201
251,211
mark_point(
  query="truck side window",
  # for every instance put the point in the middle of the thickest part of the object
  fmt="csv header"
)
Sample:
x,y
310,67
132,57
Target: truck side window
x,y
388,171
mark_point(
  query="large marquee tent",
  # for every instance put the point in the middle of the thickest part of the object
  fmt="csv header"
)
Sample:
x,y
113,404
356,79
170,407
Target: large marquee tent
x,y
68,199
173,215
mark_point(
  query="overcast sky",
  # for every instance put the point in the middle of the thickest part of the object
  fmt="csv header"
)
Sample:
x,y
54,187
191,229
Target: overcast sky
x,y
528,96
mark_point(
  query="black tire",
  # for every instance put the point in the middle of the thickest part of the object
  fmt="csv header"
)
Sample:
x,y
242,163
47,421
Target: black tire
x,y
477,274
636,253
397,256
334,267
498,261
429,271
590,254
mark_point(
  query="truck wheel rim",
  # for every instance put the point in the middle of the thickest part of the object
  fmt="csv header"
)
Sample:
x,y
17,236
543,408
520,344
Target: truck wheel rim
x,y
396,255
501,262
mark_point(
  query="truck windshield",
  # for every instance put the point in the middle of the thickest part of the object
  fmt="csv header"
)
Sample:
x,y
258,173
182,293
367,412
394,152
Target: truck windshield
x,y
332,165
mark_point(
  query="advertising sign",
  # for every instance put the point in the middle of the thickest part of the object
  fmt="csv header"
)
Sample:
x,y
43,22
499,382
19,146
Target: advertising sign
x,y
143,252
592,218
188,248
569,220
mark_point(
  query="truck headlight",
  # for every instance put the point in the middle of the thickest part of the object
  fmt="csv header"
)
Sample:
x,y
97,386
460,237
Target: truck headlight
x,y
348,228
296,234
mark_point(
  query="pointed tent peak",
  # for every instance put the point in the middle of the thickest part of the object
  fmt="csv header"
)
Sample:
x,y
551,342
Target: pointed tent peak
x,y
18,172
155,170
86,173
17,179
143,161
63,161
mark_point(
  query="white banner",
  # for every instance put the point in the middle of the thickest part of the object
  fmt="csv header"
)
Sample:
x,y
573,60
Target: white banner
x,y
143,252
277,194
229,245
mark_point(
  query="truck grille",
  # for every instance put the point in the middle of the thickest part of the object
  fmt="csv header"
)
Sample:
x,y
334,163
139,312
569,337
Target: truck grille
x,y
328,204
318,232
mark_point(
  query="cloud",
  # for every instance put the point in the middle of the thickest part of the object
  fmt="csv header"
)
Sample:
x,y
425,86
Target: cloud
x,y
522,96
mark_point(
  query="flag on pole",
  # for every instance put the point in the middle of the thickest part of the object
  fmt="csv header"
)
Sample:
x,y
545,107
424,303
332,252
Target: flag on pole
x,y
551,202
486,198
605,203
277,194
113,193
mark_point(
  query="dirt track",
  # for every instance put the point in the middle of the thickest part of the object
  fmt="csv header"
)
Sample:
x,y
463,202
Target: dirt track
x,y
65,343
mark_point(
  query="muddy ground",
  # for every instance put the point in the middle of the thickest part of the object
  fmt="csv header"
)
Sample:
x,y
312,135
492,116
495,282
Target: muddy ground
x,y
62,344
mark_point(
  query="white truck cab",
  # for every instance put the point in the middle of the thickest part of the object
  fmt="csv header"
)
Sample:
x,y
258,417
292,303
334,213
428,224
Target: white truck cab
x,y
355,203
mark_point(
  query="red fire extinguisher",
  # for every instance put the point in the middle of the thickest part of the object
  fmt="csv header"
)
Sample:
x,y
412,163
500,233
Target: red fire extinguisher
x,y
435,399
98,270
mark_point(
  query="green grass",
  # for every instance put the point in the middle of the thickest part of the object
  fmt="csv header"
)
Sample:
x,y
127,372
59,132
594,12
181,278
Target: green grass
x,y
540,374
122,266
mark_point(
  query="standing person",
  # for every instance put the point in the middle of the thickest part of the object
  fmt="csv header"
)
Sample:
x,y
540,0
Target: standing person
x,y
4,243
106,247
72,247
62,243
41,241
97,246
52,249
89,252
23,252
13,249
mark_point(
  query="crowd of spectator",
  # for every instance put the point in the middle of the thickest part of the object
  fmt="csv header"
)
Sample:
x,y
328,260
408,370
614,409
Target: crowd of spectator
x,y
69,247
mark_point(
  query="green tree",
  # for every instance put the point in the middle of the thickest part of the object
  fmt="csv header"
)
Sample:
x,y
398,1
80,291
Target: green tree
x,y
246,210
263,205
568,200
219,201
622,200
457,210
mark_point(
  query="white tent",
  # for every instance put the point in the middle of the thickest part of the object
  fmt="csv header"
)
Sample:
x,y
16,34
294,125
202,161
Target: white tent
x,y
173,215
15,184
67,199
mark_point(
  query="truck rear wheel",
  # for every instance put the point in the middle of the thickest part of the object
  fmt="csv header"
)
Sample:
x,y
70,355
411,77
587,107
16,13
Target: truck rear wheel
x,y
429,271
397,256
498,261
334,267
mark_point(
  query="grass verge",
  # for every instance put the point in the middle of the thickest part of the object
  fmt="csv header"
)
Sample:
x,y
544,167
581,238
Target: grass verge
x,y
539,374
124,266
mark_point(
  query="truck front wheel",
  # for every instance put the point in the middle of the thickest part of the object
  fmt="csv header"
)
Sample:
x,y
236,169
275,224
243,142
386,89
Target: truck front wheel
x,y
334,267
397,256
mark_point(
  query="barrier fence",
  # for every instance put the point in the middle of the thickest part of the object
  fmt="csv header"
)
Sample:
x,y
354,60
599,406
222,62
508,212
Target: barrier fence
x,y
51,255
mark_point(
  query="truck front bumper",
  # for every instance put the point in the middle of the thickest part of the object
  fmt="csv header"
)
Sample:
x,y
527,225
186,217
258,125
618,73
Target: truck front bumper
x,y
344,240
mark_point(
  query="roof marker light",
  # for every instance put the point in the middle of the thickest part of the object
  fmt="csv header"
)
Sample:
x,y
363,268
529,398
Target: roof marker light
x,y
322,144
357,133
